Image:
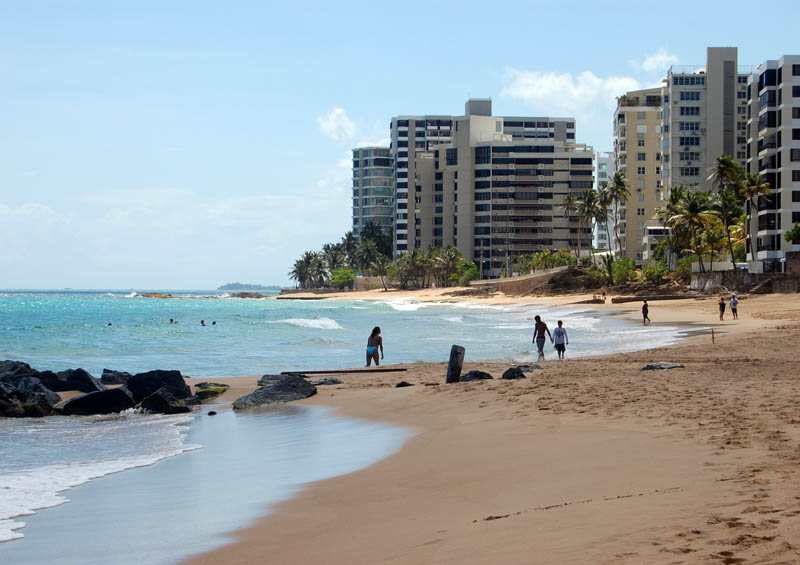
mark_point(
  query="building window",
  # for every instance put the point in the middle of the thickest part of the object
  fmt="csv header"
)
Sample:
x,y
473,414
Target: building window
x,y
641,171
689,171
796,134
690,110
796,176
794,155
451,156
796,91
690,95
641,156
689,126
689,141
483,155
796,70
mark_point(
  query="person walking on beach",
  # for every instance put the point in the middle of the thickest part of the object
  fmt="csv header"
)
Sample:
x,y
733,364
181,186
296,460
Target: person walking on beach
x,y
721,308
734,306
374,343
560,339
645,313
539,331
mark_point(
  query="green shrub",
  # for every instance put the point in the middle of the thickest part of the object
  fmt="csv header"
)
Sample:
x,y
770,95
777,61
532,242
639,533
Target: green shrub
x,y
468,272
343,278
655,271
684,268
597,277
624,270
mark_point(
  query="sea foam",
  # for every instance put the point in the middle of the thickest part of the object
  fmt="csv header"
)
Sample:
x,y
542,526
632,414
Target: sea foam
x,y
315,323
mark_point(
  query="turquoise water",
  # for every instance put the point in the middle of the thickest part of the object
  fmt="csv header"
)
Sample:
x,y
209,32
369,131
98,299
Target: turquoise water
x,y
67,330
257,459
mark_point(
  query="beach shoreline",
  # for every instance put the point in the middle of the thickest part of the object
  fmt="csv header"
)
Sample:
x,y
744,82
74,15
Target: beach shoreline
x,y
606,463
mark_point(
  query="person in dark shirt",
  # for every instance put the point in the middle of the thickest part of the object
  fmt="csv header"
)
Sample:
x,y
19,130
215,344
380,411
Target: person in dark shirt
x,y
645,313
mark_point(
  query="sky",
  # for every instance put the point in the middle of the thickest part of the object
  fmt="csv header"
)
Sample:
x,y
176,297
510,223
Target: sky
x,y
186,144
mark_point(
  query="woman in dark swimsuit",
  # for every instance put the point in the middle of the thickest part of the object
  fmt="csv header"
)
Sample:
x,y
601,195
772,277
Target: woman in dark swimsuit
x,y
374,343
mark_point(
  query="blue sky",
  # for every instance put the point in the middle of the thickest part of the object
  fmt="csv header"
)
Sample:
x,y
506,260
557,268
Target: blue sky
x,y
187,144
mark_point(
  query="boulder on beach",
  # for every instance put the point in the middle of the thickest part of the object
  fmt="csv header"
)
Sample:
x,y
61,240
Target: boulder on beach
x,y
661,366
326,381
403,384
474,376
110,377
207,391
14,369
71,379
142,385
275,389
513,373
163,401
107,401
24,396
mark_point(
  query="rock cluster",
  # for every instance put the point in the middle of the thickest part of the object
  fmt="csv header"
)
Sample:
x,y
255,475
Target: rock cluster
x,y
274,389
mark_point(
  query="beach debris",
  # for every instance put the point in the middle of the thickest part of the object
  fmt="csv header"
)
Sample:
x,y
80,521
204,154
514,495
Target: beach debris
x,y
111,377
274,389
212,412
142,385
475,376
206,391
24,396
106,401
71,379
163,401
326,381
513,373
455,364
661,366
403,384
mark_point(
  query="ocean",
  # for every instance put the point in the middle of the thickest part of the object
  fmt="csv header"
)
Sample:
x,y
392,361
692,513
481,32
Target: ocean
x,y
267,456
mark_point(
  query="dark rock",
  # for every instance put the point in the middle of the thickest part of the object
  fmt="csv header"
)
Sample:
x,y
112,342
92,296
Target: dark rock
x,y
474,376
71,379
529,368
327,381
207,391
403,384
163,401
106,401
514,373
110,377
276,388
16,369
661,366
24,396
269,379
142,385
212,413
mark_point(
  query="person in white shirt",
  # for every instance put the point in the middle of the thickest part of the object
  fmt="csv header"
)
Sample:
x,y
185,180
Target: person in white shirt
x,y
735,306
560,339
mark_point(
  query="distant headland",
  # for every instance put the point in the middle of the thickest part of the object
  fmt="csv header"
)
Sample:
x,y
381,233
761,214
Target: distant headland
x,y
236,286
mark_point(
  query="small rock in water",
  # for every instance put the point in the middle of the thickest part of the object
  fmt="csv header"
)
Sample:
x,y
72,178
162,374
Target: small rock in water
x,y
276,388
107,401
212,413
475,376
661,366
163,401
403,384
514,373
327,381
207,391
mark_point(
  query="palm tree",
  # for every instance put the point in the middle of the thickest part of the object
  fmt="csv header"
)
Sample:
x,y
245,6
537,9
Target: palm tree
x,y
619,193
692,214
753,186
299,270
380,267
570,210
349,245
727,175
588,209
334,255
365,254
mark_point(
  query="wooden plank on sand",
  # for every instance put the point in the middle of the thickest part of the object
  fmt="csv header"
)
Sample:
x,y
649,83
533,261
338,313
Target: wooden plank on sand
x,y
347,371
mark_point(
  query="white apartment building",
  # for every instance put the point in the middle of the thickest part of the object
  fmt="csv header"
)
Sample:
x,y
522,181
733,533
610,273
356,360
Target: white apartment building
x,y
773,130
703,117
373,188
419,208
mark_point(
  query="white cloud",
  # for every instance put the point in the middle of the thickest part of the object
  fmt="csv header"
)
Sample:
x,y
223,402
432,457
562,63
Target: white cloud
x,y
337,125
659,61
382,142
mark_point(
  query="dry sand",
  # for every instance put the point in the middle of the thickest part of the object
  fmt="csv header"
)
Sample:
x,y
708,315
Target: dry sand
x,y
585,461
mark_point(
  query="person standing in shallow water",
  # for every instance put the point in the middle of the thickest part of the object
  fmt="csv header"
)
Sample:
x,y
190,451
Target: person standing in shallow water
x,y
539,331
560,339
374,343
645,313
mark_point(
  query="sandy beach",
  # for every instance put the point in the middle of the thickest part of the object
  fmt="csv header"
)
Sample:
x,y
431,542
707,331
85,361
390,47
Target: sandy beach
x,y
585,461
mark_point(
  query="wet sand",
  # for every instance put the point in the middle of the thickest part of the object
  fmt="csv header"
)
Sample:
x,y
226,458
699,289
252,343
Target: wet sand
x,y
584,461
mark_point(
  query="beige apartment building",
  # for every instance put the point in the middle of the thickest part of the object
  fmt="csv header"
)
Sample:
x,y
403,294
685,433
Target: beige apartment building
x,y
703,117
637,154
773,119
427,213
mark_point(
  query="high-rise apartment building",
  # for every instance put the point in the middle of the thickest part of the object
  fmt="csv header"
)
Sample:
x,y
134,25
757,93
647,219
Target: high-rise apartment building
x,y
703,118
421,212
773,119
373,188
637,154
602,236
